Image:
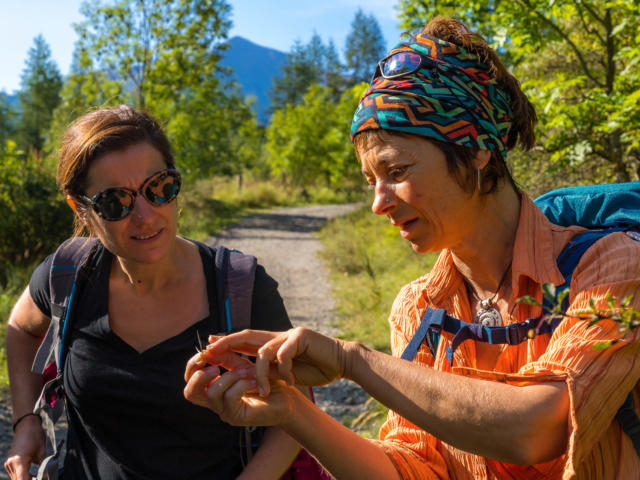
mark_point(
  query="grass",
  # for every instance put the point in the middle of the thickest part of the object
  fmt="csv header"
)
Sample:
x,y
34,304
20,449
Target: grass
x,y
369,262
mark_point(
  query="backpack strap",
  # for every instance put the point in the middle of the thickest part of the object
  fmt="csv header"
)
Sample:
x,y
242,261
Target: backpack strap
x,y
63,278
630,422
235,275
62,286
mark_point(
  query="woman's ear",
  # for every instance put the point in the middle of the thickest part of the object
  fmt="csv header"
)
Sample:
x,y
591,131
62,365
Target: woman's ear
x,y
482,159
72,203
81,211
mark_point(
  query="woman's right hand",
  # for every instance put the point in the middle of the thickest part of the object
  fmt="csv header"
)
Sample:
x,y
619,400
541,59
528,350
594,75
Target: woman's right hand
x,y
298,356
28,447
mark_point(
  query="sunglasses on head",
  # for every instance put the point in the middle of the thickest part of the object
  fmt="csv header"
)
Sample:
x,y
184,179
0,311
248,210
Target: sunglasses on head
x,y
404,63
400,64
117,203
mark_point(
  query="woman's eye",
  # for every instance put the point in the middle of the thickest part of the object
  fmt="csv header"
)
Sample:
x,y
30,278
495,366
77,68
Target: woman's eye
x,y
397,172
371,185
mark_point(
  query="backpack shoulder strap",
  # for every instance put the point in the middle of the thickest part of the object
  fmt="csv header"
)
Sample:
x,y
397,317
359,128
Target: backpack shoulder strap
x,y
235,276
63,276
62,284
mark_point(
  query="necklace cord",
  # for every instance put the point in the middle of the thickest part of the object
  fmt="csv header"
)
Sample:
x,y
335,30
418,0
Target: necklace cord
x,y
489,301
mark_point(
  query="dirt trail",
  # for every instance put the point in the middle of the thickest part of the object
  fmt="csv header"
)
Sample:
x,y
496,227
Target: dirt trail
x,y
285,243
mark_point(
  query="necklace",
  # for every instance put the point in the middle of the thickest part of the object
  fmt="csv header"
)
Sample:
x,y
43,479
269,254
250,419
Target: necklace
x,y
487,314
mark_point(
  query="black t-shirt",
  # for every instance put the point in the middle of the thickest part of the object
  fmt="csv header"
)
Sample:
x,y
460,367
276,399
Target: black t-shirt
x,y
128,418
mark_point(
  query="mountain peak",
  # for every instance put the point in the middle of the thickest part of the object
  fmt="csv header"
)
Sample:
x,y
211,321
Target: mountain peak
x,y
254,68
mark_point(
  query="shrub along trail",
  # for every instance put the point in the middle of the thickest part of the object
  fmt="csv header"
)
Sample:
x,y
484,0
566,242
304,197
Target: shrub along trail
x,y
285,244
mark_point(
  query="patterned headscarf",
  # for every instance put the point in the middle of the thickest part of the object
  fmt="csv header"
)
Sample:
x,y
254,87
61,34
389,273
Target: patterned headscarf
x,y
453,98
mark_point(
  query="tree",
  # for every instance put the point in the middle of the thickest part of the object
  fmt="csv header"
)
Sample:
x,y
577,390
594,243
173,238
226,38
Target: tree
x,y
6,122
301,69
306,65
364,47
161,55
39,96
333,75
309,143
35,218
580,62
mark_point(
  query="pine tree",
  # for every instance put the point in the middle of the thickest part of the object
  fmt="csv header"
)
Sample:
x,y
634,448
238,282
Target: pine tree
x,y
333,76
364,47
6,121
306,65
39,96
299,71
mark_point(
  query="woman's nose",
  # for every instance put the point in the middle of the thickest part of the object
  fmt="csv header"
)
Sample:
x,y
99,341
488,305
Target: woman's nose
x,y
384,199
142,209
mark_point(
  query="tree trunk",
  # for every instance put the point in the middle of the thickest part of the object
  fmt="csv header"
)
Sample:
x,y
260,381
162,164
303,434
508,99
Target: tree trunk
x,y
616,156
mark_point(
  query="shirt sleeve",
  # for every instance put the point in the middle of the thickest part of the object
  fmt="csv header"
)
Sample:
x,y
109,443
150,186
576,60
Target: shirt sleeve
x,y
412,451
598,379
39,286
267,308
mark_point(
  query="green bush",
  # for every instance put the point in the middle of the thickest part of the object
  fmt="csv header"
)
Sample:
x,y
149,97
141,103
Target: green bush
x,y
35,217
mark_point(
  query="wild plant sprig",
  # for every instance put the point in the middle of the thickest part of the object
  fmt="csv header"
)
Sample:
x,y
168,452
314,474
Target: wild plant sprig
x,y
620,312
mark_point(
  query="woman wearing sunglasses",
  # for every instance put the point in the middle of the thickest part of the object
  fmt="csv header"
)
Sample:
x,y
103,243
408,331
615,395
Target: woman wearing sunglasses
x,y
147,295
432,133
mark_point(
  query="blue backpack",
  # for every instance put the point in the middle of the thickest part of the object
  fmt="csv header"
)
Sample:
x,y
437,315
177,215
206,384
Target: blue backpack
x,y
603,209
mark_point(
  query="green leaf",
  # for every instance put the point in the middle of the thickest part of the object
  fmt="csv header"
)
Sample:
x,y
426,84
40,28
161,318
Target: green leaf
x,y
602,345
549,291
528,300
562,295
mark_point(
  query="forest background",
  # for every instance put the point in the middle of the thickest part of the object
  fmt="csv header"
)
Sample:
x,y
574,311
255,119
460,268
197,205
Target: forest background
x,y
578,61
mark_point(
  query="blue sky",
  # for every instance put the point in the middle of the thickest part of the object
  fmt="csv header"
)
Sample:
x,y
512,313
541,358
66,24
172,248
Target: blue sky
x,y
272,23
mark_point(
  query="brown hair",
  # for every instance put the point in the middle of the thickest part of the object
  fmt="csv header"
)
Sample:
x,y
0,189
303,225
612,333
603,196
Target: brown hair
x,y
524,118
100,132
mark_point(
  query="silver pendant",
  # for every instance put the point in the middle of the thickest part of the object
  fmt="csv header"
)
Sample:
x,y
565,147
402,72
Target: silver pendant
x,y
487,314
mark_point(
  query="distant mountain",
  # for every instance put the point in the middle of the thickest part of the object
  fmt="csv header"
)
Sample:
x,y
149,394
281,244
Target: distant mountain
x,y
254,68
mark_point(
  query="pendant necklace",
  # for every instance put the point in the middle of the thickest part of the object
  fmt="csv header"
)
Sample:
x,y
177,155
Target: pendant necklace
x,y
487,314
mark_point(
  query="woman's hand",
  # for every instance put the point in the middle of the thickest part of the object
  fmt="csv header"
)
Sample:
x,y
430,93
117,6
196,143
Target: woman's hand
x,y
234,396
28,447
298,356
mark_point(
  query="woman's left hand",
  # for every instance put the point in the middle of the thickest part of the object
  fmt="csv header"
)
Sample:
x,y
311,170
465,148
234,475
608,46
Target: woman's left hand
x,y
234,396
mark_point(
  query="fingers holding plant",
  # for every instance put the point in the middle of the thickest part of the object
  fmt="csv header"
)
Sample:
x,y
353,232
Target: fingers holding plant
x,y
298,356
234,397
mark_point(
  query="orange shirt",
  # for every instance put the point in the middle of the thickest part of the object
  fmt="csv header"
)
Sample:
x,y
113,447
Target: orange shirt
x,y
598,380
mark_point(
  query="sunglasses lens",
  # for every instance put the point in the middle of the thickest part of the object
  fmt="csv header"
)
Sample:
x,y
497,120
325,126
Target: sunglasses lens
x,y
162,187
114,203
400,64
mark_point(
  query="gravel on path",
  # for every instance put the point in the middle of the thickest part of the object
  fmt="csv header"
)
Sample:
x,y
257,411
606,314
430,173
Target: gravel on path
x,y
285,243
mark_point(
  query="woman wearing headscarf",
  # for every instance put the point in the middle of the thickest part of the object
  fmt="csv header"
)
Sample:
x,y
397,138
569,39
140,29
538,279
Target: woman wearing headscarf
x,y
432,133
